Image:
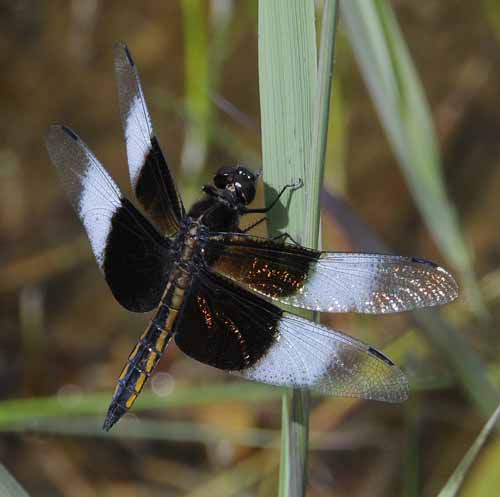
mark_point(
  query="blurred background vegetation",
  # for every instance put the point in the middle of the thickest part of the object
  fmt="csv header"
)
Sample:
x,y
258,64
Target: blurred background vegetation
x,y
196,432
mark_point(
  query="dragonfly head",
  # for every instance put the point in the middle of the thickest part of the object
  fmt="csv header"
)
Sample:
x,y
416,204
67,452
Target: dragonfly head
x,y
239,180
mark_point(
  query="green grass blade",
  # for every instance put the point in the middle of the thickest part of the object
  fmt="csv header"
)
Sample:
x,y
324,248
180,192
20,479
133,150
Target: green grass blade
x,y
321,118
287,82
197,84
295,101
399,98
298,431
335,170
285,463
9,487
133,428
455,482
32,409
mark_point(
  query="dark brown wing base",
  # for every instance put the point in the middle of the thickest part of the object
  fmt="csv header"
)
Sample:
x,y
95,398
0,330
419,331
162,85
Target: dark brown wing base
x,y
155,190
224,325
136,261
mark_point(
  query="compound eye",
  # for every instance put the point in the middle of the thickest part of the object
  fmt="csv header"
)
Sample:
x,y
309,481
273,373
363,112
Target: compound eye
x,y
220,181
223,177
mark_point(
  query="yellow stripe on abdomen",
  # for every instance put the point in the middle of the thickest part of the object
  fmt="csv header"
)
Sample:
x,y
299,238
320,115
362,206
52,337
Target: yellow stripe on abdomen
x,y
140,365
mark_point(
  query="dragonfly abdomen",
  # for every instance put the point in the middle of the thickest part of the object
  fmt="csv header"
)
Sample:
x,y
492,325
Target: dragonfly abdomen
x,y
150,347
139,367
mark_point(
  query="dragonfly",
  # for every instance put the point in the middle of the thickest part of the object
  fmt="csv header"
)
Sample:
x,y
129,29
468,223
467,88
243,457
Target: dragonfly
x,y
214,287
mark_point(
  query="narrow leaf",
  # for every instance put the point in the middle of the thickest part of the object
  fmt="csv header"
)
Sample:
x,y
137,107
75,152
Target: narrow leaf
x,y
9,487
399,98
197,81
287,82
455,482
295,101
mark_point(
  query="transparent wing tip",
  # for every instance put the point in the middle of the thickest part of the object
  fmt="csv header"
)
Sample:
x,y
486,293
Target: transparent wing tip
x,y
397,389
393,385
122,53
444,282
56,129
453,288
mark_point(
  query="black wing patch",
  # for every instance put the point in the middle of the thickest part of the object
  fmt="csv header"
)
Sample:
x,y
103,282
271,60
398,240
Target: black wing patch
x,y
329,281
151,178
226,326
131,253
219,325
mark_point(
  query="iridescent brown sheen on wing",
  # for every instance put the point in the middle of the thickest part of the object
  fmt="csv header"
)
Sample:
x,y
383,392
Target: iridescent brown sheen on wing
x,y
224,325
273,268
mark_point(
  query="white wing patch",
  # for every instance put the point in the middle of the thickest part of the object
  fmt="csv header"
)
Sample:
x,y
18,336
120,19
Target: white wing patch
x,y
91,190
99,201
137,124
373,283
138,136
310,355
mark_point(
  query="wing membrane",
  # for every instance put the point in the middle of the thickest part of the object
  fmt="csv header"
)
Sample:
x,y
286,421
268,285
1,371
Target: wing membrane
x,y
220,328
309,355
151,178
226,326
329,281
131,253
